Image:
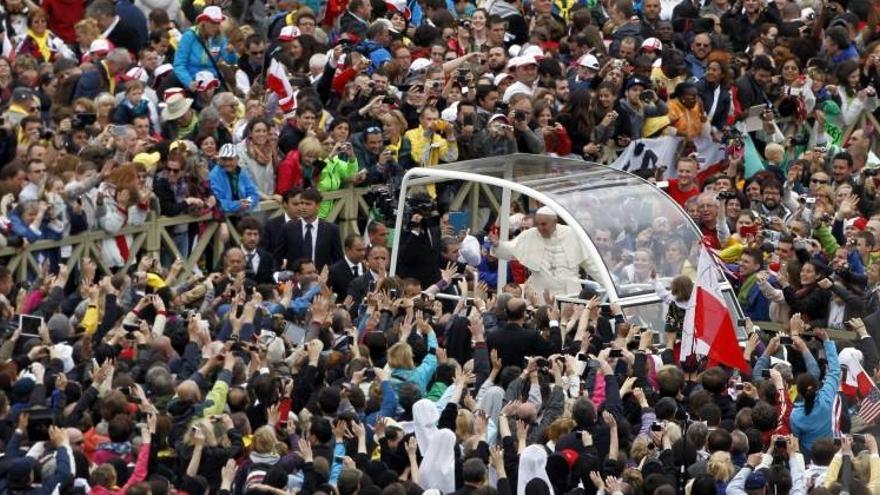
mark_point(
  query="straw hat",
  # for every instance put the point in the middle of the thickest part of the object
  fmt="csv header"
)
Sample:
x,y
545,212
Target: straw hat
x,y
176,106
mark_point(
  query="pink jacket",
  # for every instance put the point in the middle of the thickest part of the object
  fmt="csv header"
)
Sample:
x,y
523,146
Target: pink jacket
x,y
139,474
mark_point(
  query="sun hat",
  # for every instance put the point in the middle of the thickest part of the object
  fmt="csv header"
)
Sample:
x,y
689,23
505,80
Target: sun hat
x,y
176,106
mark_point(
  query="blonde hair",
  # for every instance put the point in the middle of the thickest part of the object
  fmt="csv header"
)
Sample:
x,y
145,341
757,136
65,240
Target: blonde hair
x,y
264,440
559,428
464,424
639,448
88,28
400,355
311,146
720,466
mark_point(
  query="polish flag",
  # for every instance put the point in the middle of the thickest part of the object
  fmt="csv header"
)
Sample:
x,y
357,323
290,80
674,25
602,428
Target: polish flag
x,y
857,383
708,328
277,81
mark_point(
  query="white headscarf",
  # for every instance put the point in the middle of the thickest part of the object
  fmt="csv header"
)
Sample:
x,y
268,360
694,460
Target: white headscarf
x,y
437,469
532,464
425,417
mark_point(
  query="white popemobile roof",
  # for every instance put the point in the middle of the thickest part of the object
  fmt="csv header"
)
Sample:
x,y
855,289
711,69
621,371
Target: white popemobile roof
x,y
589,197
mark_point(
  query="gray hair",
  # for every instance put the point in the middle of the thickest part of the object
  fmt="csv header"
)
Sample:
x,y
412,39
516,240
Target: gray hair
x,y
223,98
318,61
209,113
101,8
160,380
119,56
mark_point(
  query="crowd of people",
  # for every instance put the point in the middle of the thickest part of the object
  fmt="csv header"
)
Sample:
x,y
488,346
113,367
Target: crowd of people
x,y
295,363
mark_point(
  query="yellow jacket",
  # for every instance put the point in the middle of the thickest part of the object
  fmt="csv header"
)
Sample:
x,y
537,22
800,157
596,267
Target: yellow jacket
x,y
428,151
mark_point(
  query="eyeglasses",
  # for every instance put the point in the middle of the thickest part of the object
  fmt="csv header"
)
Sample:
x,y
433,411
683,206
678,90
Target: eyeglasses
x,y
819,181
173,170
258,54
373,130
702,45
39,171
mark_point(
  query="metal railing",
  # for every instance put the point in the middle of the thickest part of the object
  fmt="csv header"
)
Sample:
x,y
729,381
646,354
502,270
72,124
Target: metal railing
x,y
155,236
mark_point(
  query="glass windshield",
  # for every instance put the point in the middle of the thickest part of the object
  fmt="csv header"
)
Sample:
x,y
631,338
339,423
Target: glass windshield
x,y
635,227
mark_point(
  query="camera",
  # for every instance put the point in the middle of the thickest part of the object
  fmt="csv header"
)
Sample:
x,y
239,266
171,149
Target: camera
x,y
468,119
389,100
781,443
436,85
647,95
870,172
656,426
543,363
369,374
725,195
519,115
765,374
615,353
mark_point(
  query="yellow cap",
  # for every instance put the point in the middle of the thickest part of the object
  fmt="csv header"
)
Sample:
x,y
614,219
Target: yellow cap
x,y
155,281
148,160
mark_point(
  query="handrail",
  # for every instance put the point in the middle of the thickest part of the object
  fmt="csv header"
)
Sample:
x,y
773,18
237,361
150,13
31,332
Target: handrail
x,y
152,237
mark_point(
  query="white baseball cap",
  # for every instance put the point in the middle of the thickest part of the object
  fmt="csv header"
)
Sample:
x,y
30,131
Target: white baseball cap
x,y
589,61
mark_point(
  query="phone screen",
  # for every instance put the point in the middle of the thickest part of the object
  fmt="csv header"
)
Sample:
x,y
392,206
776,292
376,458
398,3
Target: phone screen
x,y
30,325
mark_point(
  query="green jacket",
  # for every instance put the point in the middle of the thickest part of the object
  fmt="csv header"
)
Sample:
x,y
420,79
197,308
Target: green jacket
x,y
332,176
827,240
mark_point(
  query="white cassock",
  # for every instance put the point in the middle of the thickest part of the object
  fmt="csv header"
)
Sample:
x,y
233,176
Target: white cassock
x,y
553,261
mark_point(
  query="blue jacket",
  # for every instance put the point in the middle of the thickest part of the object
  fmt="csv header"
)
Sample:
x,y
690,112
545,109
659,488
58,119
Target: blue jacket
x,y
420,375
190,58
24,231
222,190
758,306
378,54
817,424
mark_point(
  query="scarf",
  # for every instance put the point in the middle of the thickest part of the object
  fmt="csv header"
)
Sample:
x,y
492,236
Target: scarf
x,y
745,288
42,43
119,448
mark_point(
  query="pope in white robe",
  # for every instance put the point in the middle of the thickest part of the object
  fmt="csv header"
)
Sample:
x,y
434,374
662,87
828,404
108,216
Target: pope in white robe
x,y
553,254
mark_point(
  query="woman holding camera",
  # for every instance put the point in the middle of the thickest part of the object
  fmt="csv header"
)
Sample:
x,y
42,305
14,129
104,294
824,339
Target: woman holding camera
x,y
340,168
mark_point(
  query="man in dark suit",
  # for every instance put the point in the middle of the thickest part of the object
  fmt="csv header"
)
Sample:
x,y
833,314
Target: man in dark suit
x,y
126,23
514,342
349,267
259,263
274,228
309,237
377,268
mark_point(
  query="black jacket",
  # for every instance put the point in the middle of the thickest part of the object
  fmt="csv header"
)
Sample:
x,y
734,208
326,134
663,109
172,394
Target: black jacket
x,y
328,244
341,276
265,268
419,257
359,287
514,343
273,234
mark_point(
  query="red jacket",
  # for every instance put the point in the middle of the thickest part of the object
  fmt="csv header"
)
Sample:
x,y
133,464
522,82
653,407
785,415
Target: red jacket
x,y
289,173
63,15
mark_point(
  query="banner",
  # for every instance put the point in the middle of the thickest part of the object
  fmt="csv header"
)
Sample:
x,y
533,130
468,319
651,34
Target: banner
x,y
651,153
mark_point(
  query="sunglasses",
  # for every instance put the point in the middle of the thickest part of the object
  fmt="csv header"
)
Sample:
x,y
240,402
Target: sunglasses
x,y
819,181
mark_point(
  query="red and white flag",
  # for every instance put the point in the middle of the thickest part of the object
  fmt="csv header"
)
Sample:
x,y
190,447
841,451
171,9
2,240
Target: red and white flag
x,y
859,383
277,81
708,328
